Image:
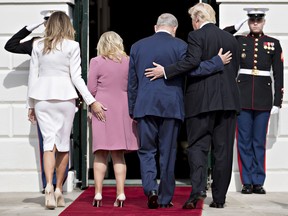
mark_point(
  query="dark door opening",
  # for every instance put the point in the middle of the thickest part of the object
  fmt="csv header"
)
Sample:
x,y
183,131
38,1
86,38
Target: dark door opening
x,y
134,20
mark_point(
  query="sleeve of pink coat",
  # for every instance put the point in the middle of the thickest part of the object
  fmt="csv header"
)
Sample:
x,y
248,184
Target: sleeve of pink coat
x,y
92,77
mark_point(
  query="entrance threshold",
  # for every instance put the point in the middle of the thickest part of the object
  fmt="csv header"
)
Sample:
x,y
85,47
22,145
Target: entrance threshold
x,y
179,182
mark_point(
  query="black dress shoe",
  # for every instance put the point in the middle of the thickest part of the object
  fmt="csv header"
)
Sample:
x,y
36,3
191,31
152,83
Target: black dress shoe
x,y
153,200
191,203
169,205
246,189
258,189
201,195
216,205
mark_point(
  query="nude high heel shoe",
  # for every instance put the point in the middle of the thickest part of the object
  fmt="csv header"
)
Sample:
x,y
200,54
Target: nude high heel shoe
x,y
60,202
97,201
119,202
49,197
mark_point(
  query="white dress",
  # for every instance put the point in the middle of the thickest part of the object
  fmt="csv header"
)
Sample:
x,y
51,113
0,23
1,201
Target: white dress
x,y
51,91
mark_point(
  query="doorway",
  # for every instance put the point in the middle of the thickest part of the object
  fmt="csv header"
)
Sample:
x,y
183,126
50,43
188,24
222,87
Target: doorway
x,y
134,20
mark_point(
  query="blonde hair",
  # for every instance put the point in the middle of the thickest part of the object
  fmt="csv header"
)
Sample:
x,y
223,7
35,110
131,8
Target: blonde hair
x,y
204,12
110,45
58,28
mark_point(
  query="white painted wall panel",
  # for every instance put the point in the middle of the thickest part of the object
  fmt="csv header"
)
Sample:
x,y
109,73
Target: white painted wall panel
x,y
21,125
5,126
20,154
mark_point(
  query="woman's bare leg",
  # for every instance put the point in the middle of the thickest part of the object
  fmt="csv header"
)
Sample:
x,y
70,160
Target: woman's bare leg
x,y
99,168
120,170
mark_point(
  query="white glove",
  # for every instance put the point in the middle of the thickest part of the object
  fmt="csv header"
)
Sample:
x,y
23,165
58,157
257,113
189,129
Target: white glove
x,y
238,25
274,110
32,27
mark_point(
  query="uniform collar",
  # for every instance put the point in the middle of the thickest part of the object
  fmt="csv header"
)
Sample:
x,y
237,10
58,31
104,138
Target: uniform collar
x,y
256,35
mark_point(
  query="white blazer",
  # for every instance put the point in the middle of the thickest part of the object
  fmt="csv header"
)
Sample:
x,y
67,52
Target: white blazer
x,y
54,76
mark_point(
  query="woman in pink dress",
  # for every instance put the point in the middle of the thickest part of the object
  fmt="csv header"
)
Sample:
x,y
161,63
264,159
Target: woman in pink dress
x,y
113,131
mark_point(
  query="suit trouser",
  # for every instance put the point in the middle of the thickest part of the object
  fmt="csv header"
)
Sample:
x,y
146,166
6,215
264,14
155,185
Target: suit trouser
x,y
157,133
251,144
215,130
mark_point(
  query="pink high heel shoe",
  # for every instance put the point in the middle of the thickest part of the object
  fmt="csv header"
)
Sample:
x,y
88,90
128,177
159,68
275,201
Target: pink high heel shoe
x,y
60,202
119,202
97,201
49,197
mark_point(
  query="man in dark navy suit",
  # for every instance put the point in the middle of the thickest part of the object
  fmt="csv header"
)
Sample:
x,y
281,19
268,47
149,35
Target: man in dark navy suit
x,y
158,106
15,45
211,105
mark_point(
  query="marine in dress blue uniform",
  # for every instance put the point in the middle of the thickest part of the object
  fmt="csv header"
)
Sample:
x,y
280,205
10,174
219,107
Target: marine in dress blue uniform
x,y
261,57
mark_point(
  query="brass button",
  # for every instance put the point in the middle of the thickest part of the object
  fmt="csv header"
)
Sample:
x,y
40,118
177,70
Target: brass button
x,y
255,67
255,61
256,49
255,55
256,39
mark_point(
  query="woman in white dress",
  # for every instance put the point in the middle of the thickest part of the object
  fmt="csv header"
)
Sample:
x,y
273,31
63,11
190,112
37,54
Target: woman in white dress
x,y
55,71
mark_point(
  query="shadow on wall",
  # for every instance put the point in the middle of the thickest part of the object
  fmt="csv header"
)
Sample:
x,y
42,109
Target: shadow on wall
x,y
17,77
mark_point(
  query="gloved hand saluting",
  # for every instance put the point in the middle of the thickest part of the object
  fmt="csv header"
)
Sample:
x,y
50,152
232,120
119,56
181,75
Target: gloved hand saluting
x,y
32,27
238,25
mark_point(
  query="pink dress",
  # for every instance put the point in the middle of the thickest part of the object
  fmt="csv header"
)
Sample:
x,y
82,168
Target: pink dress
x,y
107,82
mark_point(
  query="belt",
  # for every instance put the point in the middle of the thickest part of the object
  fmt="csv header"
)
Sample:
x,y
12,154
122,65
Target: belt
x,y
254,72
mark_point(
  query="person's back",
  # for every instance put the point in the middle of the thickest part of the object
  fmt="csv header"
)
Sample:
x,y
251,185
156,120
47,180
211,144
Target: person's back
x,y
219,90
158,108
55,71
113,130
170,49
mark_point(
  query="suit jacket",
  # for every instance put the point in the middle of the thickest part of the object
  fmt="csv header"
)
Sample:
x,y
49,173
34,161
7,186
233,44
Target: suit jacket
x,y
55,75
14,44
257,91
218,91
261,53
161,97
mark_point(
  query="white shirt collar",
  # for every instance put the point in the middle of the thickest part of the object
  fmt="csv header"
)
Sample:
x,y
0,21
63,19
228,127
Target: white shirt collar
x,y
162,30
203,24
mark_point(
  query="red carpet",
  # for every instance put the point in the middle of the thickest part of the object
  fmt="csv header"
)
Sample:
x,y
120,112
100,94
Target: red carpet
x,y
135,204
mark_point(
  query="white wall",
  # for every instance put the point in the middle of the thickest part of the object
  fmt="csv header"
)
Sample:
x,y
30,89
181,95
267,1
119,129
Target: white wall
x,y
231,12
19,155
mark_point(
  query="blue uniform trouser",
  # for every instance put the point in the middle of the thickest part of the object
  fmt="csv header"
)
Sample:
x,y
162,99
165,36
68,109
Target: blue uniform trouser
x,y
160,135
40,138
251,143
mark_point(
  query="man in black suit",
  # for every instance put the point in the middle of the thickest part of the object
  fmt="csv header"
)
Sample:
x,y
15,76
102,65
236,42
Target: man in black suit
x,y
211,105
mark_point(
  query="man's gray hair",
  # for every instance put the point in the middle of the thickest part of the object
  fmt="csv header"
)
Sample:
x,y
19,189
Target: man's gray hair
x,y
167,19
